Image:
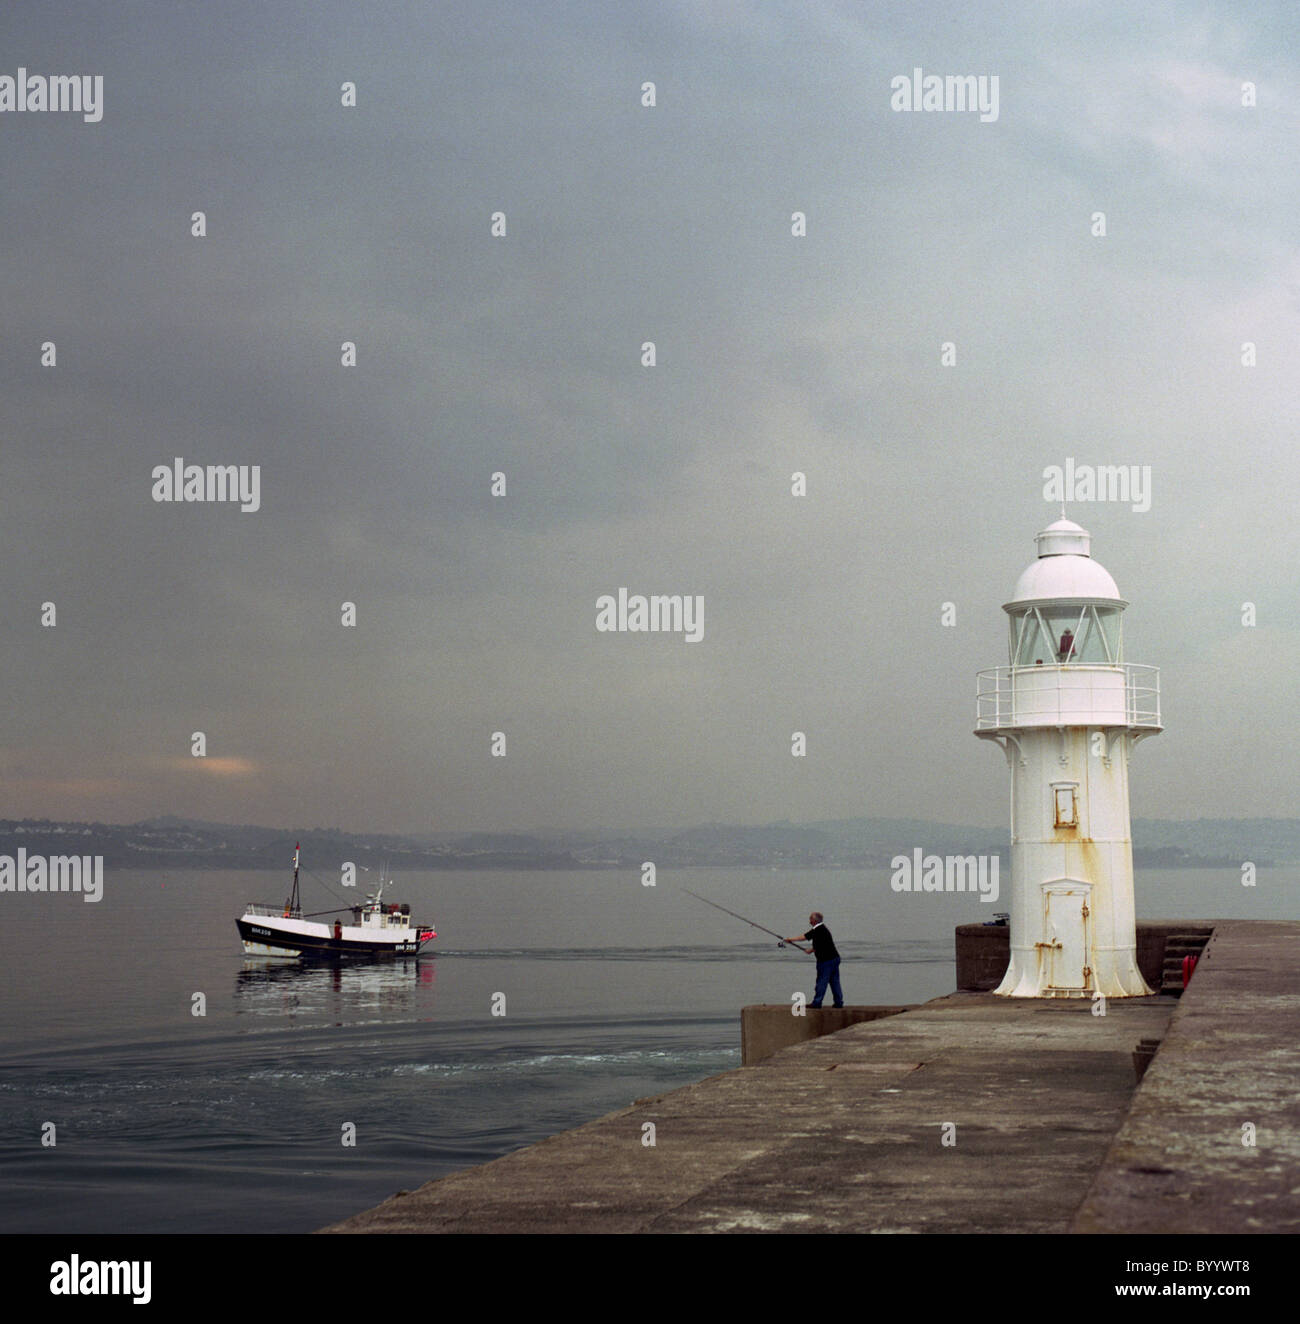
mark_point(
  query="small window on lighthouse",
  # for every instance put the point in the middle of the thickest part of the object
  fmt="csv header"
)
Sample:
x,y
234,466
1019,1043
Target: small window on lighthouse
x,y
1067,805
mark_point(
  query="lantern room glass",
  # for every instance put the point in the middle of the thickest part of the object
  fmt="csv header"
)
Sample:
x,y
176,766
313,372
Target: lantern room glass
x,y
1066,634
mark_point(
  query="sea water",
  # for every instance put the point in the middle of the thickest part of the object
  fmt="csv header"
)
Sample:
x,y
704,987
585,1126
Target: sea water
x,y
154,1079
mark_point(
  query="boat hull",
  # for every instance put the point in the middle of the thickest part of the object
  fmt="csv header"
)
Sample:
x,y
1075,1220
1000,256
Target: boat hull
x,y
263,936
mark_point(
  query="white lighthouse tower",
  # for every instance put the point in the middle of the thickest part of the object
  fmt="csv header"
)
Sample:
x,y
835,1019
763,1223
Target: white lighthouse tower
x,y
1066,712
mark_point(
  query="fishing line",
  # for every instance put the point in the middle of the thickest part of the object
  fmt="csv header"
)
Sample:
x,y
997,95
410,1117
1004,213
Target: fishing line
x,y
782,942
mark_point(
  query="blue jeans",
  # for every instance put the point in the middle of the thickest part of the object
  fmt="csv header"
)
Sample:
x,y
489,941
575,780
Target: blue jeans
x,y
828,972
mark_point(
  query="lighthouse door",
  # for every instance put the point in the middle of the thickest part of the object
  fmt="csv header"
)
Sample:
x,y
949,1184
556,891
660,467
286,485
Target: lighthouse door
x,y
1066,912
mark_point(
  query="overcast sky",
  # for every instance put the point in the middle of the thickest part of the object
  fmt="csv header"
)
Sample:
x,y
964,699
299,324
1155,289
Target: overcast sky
x,y
523,354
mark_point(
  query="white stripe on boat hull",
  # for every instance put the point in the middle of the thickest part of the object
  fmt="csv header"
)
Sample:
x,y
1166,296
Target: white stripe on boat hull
x,y
260,949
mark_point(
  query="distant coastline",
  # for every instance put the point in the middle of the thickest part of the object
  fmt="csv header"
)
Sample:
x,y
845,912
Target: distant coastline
x,y
863,843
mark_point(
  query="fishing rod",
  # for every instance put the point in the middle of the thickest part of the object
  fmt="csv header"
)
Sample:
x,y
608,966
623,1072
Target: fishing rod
x,y
783,941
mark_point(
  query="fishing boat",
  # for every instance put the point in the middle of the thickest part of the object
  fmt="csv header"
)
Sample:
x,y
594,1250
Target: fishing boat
x,y
377,928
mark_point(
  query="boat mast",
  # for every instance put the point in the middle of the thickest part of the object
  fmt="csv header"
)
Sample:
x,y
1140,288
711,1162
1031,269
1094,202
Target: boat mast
x,y
294,906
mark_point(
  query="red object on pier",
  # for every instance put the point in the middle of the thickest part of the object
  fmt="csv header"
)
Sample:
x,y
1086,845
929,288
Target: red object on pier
x,y
1189,964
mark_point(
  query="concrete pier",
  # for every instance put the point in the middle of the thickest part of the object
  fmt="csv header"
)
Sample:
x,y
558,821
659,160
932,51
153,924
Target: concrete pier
x,y
769,1027
972,1113
1212,1141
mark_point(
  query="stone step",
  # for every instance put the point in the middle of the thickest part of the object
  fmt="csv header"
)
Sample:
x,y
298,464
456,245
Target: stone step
x,y
1177,947
1146,1050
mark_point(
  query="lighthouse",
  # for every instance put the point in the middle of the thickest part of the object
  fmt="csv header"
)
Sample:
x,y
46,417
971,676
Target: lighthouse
x,y
1067,711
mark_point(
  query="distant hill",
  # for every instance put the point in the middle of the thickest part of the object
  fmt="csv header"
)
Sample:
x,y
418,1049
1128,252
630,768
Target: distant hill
x,y
852,843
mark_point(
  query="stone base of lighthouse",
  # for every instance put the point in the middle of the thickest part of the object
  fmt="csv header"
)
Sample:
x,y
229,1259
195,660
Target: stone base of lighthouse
x,y
1034,973
1073,926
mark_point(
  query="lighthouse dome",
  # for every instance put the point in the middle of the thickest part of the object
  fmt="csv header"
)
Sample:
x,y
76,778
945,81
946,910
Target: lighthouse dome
x,y
1065,570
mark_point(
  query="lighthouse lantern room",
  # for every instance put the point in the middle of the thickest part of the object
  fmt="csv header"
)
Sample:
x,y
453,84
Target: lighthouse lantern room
x,y
1066,712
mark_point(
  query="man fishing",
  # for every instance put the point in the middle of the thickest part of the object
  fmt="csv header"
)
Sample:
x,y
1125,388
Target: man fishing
x,y
828,959
823,948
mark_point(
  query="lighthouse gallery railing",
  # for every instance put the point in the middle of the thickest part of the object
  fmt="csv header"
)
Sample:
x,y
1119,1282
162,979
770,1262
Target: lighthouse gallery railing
x,y
1052,694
